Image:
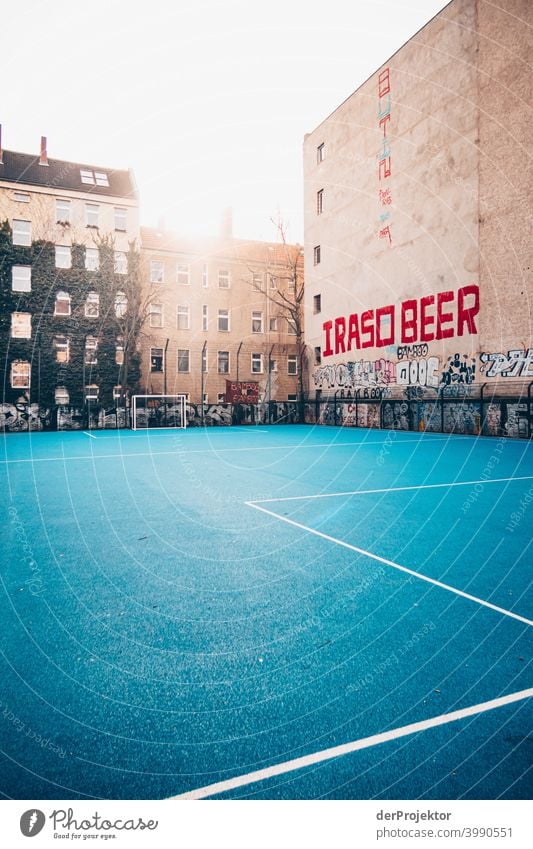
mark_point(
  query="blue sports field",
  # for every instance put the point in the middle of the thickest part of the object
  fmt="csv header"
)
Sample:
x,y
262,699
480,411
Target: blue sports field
x,y
265,612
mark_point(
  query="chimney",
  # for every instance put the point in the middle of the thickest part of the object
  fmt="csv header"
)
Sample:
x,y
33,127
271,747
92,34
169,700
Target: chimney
x,y
43,160
1,162
226,223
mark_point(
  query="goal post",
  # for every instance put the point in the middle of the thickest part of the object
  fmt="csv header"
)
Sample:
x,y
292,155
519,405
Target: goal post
x,y
158,411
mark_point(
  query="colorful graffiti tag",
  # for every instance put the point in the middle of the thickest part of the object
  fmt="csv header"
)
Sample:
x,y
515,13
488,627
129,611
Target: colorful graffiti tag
x,y
515,363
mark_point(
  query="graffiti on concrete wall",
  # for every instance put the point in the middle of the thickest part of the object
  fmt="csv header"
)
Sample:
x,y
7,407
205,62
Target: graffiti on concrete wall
x,y
22,416
515,363
423,372
355,374
384,155
460,369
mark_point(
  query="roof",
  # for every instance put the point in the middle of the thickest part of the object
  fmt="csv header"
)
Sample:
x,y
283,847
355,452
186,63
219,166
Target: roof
x,y
245,250
24,168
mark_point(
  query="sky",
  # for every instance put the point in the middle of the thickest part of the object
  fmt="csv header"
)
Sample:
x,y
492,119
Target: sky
x,y
207,101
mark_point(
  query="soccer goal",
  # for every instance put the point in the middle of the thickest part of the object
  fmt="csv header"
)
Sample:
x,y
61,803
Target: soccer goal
x,y
156,411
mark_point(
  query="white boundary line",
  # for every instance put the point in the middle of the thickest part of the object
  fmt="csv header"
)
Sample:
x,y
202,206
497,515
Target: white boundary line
x,y
353,746
86,432
392,563
390,489
213,450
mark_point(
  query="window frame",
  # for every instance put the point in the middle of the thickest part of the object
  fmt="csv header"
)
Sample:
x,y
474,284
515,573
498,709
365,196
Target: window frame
x,y
67,205
92,211
321,153
61,348
227,371
23,238
292,359
21,322
317,255
227,317
160,356
205,318
23,374
256,358
65,300
154,311
224,274
120,257
180,356
90,351
183,310
161,265
120,304
92,259
25,279
183,269
64,251
119,213
260,320
320,202
92,298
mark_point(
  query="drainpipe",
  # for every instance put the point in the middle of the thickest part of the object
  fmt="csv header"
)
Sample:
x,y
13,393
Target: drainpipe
x,y
238,352
481,403
202,379
269,381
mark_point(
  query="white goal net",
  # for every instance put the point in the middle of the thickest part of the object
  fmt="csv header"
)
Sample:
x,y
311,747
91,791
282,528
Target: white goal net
x,y
149,411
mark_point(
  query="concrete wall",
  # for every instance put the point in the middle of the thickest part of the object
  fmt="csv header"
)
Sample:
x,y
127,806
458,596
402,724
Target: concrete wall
x,y
425,201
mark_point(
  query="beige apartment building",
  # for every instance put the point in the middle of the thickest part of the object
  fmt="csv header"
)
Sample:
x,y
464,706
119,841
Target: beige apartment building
x,y
417,201
216,314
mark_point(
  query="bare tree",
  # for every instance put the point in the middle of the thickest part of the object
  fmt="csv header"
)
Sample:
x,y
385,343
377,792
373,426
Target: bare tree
x,y
285,290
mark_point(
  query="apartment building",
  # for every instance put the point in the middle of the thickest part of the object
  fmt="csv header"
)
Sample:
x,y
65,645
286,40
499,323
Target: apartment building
x,y
417,203
66,231
221,311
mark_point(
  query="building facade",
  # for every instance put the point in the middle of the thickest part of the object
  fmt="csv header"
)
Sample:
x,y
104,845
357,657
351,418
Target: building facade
x,y
67,261
220,310
417,197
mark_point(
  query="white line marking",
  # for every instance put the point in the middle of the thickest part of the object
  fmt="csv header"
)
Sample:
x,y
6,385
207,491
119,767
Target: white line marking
x,y
123,456
353,746
392,563
389,489
86,432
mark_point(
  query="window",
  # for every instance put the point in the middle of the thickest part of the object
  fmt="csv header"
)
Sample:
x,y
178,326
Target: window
x,y
21,278
205,317
156,271
291,327
92,260
273,282
318,355
121,304
91,351
183,360
121,262
316,255
257,364
90,178
291,286
292,364
92,212
91,392
257,281
223,320
205,276
156,359
63,256
321,152
320,202
156,315
119,351
292,398
62,348
62,396
121,218
206,398
257,322
223,278
273,366
20,197
273,324
184,316
182,275
62,304
62,211
221,398
204,360
223,362
117,393
317,303
20,374
21,325
21,232
92,305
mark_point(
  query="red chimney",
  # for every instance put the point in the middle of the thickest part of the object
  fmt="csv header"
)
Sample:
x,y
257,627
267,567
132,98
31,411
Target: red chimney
x,y
1,163
44,156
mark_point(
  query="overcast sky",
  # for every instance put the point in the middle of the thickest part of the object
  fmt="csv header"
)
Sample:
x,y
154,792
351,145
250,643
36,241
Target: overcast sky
x,y
207,101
